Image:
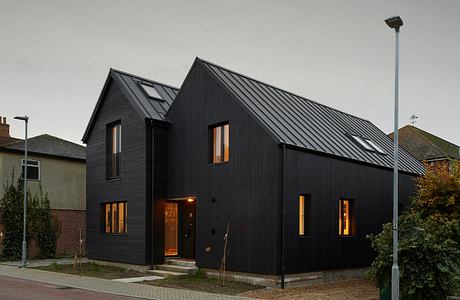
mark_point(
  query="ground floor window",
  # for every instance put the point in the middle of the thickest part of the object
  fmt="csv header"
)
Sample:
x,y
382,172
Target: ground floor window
x,y
115,217
304,215
346,217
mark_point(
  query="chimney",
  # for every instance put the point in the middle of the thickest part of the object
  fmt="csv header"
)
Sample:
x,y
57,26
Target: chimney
x,y
4,128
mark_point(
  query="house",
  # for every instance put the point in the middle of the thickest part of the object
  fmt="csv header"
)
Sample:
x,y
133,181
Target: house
x,y
298,184
427,147
59,167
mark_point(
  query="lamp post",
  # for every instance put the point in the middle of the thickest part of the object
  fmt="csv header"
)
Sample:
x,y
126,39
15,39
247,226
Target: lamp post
x,y
395,23
24,241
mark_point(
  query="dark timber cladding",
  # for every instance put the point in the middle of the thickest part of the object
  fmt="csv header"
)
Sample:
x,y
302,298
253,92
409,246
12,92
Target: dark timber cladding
x,y
281,146
244,191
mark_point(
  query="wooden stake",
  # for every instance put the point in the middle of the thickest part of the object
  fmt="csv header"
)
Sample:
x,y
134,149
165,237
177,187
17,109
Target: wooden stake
x,y
224,258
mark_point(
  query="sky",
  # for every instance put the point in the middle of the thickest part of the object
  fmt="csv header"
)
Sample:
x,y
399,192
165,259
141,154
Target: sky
x,y
55,55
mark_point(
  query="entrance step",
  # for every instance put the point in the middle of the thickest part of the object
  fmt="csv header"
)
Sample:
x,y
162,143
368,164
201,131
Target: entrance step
x,y
177,268
164,273
180,262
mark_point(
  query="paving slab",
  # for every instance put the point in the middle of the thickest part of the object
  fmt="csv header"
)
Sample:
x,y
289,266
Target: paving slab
x,y
138,279
108,286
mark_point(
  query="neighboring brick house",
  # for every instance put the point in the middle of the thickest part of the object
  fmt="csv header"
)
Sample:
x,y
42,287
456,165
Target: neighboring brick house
x,y
60,167
427,147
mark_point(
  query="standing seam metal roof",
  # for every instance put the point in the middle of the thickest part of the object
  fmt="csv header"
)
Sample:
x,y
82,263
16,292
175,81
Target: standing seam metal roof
x,y
306,124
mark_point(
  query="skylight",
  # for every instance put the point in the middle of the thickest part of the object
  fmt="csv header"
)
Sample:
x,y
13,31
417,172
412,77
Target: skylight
x,y
362,143
151,91
376,147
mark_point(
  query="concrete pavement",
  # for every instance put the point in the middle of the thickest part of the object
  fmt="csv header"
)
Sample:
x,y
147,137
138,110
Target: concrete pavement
x,y
109,286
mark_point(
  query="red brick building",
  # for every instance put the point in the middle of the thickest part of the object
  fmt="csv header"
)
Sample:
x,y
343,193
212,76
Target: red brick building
x,y
427,147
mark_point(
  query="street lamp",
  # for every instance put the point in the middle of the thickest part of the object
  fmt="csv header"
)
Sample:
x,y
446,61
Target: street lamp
x,y
395,23
24,241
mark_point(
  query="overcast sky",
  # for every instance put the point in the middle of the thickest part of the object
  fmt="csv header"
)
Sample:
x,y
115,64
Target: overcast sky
x,y
55,55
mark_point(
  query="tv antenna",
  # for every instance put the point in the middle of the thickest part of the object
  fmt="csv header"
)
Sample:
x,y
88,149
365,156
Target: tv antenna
x,y
413,120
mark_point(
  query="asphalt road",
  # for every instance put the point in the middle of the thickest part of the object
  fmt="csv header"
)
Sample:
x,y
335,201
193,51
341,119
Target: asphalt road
x,y
19,289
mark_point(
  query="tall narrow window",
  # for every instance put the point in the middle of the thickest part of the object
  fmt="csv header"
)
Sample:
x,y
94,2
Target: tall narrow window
x,y
220,143
345,217
115,214
113,151
304,215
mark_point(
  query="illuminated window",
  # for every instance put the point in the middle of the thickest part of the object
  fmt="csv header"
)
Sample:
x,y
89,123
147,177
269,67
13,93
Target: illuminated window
x,y
305,215
115,214
113,151
220,144
345,217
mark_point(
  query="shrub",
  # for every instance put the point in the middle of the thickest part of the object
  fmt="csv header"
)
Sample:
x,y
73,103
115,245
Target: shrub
x,y
429,239
40,224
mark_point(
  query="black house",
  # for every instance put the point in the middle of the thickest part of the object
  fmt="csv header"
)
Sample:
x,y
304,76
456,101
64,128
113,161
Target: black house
x,y
301,184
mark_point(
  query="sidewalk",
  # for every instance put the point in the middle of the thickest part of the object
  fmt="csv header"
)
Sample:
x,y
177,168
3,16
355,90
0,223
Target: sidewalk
x,y
109,286
32,263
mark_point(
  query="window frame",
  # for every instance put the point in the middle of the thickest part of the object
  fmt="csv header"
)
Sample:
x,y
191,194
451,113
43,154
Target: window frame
x,y
109,148
114,223
224,140
38,166
149,85
351,218
307,216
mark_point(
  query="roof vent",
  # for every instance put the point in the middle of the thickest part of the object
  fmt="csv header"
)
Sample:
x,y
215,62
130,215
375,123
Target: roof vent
x,y
151,92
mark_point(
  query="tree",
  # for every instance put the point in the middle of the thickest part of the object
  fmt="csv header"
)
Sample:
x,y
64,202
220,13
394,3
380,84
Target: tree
x,y
429,239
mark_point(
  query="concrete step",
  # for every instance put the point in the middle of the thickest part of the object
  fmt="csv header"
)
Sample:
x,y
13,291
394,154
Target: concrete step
x,y
164,273
180,262
176,268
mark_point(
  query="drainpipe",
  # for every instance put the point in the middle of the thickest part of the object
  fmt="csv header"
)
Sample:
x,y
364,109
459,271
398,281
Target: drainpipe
x,y
283,183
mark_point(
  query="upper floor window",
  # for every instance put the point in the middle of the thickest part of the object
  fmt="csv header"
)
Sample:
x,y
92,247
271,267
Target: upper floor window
x,y
115,215
220,143
113,150
346,214
33,169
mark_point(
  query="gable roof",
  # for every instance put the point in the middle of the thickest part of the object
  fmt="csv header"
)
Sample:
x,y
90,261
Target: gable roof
x,y
145,106
48,145
305,124
426,146
7,140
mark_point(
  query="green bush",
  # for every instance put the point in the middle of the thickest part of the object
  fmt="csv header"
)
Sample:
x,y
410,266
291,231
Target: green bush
x,y
40,224
429,240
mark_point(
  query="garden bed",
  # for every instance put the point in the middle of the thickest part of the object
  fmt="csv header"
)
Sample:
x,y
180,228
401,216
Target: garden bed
x,y
93,270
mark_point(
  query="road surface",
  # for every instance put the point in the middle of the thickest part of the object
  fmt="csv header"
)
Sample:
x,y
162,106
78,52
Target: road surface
x,y
19,289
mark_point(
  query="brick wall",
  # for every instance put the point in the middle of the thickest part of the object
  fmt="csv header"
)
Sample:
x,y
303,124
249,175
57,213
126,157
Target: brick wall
x,y
70,223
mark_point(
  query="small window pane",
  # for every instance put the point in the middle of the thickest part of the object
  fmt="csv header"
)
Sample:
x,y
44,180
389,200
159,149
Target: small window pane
x,y
151,91
115,217
33,169
121,217
362,143
108,219
113,151
217,157
226,142
376,147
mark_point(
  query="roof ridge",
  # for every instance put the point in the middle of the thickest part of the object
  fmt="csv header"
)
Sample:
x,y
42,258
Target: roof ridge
x,y
280,89
143,78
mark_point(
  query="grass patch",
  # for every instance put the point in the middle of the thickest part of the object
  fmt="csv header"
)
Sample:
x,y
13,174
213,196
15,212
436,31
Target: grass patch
x,y
202,284
91,269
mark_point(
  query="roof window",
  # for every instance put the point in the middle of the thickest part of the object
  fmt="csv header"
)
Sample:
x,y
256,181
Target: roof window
x,y
376,147
151,91
363,143
368,144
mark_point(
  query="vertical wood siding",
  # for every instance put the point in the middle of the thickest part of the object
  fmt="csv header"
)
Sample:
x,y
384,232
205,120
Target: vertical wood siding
x,y
246,189
129,248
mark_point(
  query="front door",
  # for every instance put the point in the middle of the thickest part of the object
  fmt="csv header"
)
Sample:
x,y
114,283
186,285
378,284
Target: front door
x,y
180,228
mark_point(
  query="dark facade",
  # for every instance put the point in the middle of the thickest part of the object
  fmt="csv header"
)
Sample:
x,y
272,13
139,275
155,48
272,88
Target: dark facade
x,y
271,162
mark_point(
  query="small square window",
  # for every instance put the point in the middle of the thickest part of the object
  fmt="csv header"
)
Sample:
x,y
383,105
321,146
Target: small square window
x,y
33,169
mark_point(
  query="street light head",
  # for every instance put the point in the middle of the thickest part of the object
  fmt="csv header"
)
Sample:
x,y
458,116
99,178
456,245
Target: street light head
x,y
394,22
25,118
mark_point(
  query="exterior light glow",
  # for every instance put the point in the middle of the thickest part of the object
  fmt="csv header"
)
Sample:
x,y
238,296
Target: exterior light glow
x,y
190,200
